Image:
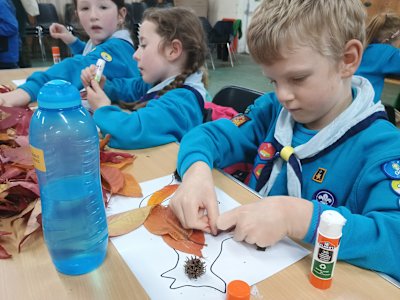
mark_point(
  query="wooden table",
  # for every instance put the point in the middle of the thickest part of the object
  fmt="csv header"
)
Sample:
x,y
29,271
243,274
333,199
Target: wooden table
x,y
30,274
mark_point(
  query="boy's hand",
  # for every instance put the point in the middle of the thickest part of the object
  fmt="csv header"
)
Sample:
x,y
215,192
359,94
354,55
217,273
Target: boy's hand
x,y
88,74
96,96
59,31
267,221
195,202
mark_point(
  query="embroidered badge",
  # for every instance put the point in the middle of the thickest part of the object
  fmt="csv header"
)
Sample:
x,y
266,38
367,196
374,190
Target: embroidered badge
x,y
319,175
240,119
325,197
106,56
258,169
266,151
392,169
396,186
248,109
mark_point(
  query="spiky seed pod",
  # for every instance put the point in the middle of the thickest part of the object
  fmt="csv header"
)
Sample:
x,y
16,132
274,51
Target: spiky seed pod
x,y
194,267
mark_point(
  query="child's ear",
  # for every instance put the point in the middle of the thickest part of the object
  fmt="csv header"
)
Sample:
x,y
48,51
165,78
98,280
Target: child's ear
x,y
175,49
352,55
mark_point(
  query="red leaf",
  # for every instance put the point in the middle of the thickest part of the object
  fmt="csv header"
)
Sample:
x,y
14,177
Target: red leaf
x,y
113,177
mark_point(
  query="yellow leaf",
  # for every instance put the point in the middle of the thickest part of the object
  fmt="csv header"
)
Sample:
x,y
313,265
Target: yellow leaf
x,y
128,221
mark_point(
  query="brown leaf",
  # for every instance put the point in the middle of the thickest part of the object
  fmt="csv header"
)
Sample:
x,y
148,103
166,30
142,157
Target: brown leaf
x,y
104,142
159,196
162,221
131,187
33,223
113,177
3,252
128,221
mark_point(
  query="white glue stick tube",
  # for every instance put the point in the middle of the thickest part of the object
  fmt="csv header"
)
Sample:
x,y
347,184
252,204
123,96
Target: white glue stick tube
x,y
99,69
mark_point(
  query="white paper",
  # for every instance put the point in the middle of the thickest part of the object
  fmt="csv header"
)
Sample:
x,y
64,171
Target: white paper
x,y
160,269
19,82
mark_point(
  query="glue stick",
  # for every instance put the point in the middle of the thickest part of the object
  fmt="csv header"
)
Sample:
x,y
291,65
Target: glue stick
x,y
55,51
99,69
326,249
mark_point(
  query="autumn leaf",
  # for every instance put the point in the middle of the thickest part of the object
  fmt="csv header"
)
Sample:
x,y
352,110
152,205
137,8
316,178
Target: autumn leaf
x,y
128,221
159,196
104,142
3,252
113,177
162,221
33,223
131,187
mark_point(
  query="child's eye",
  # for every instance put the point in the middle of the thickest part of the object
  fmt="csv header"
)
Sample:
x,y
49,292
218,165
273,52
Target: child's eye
x,y
103,7
83,8
142,46
299,79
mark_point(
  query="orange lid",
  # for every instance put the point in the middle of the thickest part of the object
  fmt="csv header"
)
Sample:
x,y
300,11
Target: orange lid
x,y
55,50
322,284
238,290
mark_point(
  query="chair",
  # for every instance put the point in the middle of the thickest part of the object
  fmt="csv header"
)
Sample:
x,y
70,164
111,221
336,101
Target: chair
x,y
133,18
47,16
207,30
239,98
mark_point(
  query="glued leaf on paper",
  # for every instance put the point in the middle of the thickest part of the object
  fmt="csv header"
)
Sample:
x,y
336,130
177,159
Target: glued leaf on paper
x,y
131,187
162,221
128,221
159,196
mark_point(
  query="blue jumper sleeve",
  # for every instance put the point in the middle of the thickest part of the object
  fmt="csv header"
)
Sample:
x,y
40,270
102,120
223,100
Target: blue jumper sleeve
x,y
222,143
77,47
120,64
126,89
8,22
162,121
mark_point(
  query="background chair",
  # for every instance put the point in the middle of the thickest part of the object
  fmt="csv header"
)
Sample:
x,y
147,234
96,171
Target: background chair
x,y
207,30
239,98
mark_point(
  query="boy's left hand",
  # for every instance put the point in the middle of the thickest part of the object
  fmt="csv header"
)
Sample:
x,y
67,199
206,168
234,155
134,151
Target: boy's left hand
x,y
267,221
96,96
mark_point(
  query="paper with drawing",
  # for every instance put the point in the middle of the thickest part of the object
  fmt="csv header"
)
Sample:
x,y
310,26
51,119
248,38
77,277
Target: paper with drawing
x,y
160,269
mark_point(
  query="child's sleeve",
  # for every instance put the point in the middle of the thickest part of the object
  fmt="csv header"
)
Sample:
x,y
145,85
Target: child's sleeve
x,y
126,89
371,236
224,142
162,121
77,47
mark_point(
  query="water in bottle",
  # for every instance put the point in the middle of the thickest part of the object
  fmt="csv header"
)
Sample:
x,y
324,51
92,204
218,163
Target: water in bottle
x,y
65,149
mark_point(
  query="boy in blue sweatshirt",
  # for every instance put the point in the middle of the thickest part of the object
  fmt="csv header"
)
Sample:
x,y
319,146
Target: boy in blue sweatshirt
x,y
319,142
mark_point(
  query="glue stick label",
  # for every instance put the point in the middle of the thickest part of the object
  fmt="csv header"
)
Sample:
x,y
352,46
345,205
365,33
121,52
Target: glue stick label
x,y
38,159
325,255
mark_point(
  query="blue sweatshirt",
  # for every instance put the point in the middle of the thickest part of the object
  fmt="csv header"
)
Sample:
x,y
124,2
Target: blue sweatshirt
x,y
119,63
379,61
9,38
361,178
164,120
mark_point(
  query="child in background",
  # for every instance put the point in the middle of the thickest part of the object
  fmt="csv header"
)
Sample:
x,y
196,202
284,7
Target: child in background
x,y
381,57
101,20
9,37
319,142
170,56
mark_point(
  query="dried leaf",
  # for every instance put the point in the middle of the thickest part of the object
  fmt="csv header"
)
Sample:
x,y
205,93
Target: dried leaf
x,y
159,196
104,142
113,177
34,223
128,221
162,221
131,187
3,252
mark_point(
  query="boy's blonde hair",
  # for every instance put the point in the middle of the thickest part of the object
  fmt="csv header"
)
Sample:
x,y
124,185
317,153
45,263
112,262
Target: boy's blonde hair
x,y
324,25
383,28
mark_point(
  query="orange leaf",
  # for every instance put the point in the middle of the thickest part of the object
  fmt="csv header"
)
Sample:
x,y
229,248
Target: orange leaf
x,y
159,196
33,224
120,165
131,187
128,221
162,221
104,142
113,177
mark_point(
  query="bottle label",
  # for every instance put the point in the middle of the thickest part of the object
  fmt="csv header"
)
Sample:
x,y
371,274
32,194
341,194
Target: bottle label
x,y
38,159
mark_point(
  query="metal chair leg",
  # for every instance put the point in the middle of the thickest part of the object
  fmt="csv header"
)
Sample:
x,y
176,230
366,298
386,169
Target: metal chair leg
x,y
229,53
211,58
40,36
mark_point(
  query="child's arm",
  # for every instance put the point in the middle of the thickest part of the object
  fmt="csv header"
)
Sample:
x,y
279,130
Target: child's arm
x,y
267,221
96,96
195,202
59,31
17,97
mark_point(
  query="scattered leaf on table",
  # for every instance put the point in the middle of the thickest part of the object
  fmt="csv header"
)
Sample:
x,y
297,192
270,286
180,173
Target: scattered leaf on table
x,y
162,221
113,178
162,194
128,221
131,187
33,224
104,142
3,252
116,159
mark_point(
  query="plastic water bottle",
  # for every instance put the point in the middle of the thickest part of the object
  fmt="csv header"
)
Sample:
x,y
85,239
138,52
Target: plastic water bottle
x,y
65,149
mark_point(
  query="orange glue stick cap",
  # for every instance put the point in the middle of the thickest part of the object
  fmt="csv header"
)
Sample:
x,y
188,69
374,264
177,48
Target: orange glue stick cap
x,y
55,50
320,283
238,290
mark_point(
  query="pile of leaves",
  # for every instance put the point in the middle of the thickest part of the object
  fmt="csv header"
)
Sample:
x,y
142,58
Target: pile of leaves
x,y
19,191
159,220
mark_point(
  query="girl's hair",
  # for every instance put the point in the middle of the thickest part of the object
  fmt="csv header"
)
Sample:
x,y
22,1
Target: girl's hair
x,y
383,28
181,24
324,25
119,3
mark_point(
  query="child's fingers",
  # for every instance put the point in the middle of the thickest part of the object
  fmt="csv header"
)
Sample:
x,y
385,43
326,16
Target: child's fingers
x,y
95,86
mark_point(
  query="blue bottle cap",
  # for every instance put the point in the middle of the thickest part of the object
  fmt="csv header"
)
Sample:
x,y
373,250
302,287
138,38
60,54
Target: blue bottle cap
x,y
58,94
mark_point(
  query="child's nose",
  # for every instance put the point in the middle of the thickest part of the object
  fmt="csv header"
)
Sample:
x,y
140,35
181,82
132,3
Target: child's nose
x,y
284,93
136,55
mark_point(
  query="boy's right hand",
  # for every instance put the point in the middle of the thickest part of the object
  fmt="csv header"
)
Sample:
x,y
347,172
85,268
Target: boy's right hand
x,y
195,202
59,31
